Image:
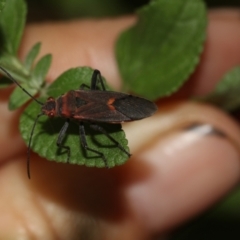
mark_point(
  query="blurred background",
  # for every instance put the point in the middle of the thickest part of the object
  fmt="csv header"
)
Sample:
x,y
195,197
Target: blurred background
x,y
62,9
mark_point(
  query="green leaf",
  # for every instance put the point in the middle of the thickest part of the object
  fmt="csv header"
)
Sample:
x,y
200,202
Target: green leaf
x,y
31,84
31,56
12,21
40,71
18,97
47,130
158,54
226,93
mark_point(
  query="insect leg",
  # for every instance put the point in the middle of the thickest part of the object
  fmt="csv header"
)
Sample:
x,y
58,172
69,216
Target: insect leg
x,y
29,144
84,86
96,77
60,138
85,145
102,130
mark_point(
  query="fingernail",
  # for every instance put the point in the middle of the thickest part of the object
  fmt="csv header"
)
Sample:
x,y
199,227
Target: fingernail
x,y
204,129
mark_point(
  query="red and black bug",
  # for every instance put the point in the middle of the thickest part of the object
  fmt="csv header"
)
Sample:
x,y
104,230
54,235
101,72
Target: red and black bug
x,y
92,105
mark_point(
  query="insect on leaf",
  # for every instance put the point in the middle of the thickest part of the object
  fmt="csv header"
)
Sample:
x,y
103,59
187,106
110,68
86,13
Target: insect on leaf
x,y
47,130
162,49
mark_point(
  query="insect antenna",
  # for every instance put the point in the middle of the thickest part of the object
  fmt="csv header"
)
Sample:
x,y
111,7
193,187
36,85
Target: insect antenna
x,y
35,122
29,144
11,78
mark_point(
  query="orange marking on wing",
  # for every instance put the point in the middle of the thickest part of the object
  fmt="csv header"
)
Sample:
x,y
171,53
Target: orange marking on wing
x,y
110,102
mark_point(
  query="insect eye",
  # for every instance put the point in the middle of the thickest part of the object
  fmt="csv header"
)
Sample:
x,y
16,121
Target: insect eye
x,y
51,114
50,99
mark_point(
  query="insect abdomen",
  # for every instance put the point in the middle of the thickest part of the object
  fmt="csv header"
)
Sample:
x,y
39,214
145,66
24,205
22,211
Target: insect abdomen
x,y
134,107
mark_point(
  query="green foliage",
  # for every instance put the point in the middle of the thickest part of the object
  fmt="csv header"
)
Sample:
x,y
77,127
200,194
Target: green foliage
x,y
12,21
157,55
32,79
35,81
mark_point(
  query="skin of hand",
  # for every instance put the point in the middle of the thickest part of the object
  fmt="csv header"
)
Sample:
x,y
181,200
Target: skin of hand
x,y
178,168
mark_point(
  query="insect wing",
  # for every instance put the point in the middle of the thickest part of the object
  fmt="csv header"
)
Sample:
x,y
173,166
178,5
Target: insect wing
x,y
96,106
134,107
111,107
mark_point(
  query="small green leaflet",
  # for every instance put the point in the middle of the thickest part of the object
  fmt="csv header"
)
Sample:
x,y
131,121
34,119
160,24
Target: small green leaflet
x,y
158,54
40,70
226,93
47,130
32,84
12,22
31,56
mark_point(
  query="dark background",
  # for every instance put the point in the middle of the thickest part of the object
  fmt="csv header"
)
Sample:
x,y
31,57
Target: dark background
x,y
62,9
